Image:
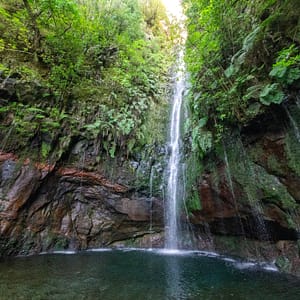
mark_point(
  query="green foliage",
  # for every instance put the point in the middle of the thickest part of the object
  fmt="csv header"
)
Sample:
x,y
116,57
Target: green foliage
x,y
287,67
13,31
32,122
201,140
104,64
4,69
293,152
271,93
153,129
45,149
241,57
193,201
196,131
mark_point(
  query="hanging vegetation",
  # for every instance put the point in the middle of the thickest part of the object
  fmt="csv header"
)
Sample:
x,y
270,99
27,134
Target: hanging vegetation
x,y
242,57
100,68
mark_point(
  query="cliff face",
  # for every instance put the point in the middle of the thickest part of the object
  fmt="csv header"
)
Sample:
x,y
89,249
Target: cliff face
x,y
45,207
83,108
250,192
244,64
79,197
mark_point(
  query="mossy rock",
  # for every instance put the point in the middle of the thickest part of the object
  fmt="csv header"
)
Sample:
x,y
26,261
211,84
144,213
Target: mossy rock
x,y
61,243
293,152
255,181
283,264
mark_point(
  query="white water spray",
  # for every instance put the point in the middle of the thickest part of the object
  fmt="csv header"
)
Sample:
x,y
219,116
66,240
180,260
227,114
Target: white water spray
x,y
173,196
171,215
293,123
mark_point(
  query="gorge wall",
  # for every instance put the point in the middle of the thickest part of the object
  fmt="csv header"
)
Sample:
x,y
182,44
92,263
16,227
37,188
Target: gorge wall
x,y
250,192
83,109
247,192
80,197
45,207
244,64
82,152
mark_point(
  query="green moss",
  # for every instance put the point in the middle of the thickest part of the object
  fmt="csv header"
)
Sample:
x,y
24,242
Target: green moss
x,y
242,172
54,241
61,242
193,202
293,152
273,190
45,149
28,243
9,246
231,244
256,152
274,165
154,128
195,169
290,221
256,183
283,264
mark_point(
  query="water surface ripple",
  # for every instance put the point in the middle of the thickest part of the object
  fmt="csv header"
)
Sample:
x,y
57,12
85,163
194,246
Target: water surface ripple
x,y
132,274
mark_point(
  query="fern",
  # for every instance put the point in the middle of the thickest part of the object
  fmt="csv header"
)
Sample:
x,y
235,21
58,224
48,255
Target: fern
x,y
271,94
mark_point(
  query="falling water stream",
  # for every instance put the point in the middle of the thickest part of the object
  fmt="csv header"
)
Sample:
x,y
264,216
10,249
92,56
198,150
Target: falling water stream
x,y
293,123
151,202
173,195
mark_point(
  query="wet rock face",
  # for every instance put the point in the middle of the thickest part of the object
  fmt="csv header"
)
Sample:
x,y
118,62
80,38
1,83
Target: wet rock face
x,y
254,194
231,212
83,197
43,208
7,86
12,88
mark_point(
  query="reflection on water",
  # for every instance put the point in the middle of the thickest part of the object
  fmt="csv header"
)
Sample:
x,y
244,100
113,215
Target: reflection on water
x,y
173,276
113,275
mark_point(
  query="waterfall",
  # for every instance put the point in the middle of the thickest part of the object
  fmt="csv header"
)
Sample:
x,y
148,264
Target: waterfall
x,y
293,123
151,203
255,206
173,185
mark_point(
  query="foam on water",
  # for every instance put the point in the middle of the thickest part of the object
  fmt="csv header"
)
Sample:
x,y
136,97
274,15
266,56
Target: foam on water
x,y
238,264
166,251
99,250
65,252
256,265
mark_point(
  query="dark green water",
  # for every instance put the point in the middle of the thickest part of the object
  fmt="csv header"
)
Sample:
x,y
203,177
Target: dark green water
x,y
139,275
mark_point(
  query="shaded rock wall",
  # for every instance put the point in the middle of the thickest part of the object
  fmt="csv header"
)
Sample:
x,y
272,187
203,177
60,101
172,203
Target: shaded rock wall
x,y
44,208
60,189
250,189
